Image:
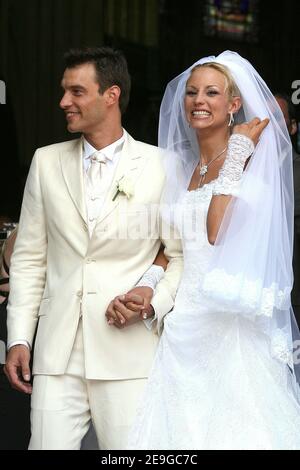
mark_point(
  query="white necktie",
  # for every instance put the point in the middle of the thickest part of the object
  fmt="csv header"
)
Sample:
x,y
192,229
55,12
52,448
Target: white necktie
x,y
96,170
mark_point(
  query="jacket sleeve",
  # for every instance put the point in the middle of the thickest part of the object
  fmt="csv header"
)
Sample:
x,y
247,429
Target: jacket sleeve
x,y
28,262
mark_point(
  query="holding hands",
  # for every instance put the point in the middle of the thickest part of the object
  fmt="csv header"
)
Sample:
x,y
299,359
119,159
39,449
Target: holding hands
x,y
135,306
125,310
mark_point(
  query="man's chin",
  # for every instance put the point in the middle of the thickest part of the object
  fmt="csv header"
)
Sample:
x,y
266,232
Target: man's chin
x,y
73,129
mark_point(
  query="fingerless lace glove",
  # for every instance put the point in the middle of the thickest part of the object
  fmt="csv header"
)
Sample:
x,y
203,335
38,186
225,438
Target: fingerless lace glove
x,y
240,148
151,277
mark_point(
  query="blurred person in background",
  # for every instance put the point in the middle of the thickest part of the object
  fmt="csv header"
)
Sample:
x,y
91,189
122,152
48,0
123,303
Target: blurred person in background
x,y
289,112
14,405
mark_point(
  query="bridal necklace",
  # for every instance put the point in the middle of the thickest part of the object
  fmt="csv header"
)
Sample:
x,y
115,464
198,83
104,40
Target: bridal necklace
x,y
204,168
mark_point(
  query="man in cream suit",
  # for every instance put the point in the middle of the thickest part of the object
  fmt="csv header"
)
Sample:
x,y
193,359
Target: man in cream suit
x,y
76,250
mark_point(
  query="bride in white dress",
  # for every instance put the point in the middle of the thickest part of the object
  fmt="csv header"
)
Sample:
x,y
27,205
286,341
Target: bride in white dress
x,y
225,373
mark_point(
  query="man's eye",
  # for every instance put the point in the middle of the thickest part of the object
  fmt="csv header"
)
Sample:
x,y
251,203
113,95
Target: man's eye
x,y
77,92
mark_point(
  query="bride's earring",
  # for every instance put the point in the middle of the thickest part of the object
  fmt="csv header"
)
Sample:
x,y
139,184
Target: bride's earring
x,y
231,119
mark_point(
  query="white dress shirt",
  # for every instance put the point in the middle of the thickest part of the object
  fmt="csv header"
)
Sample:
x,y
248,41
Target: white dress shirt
x,y
94,202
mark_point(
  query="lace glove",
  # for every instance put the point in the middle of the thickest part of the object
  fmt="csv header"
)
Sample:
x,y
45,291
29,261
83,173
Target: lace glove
x,y
151,277
240,148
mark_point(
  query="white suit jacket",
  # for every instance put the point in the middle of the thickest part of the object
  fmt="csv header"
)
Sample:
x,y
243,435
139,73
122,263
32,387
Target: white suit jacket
x,y
58,273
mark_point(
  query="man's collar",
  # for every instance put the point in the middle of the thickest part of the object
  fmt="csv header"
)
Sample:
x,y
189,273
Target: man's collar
x,y
109,151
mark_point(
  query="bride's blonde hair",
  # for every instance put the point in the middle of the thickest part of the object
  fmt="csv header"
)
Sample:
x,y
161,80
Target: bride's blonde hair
x,y
231,87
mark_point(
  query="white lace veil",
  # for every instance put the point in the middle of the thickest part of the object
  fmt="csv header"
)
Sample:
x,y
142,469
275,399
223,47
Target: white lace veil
x,y
251,267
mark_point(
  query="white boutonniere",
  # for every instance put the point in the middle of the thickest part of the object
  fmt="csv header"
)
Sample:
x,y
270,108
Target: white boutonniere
x,y
124,186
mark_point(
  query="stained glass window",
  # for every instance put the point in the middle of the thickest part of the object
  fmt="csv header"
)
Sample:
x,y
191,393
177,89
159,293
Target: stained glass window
x,y
232,19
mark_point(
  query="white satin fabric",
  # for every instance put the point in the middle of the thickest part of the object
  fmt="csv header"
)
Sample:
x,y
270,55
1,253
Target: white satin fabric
x,y
214,383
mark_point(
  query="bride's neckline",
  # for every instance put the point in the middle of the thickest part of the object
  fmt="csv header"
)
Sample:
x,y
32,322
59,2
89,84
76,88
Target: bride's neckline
x,y
203,186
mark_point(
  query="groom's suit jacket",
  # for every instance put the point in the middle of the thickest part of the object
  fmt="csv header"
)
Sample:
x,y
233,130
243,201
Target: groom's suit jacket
x,y
59,273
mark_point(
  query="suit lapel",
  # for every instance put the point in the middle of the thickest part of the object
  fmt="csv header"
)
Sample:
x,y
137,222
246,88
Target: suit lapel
x,y
72,170
130,166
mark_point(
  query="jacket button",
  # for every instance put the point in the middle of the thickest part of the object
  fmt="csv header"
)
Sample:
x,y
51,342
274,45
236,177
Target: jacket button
x,y
79,293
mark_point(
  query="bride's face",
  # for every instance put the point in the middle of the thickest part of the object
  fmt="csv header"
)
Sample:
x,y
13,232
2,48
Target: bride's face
x,y
207,102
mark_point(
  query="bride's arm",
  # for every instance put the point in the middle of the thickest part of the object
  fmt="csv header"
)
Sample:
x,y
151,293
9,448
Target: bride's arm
x,y
215,216
240,147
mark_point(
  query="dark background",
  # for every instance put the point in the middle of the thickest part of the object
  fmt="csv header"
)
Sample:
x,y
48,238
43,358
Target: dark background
x,y
160,39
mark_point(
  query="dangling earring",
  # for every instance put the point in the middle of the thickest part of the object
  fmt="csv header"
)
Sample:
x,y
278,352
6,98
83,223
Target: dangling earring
x,y
231,119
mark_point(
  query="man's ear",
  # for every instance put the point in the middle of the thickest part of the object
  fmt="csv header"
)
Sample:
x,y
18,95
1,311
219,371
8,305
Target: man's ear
x,y
112,95
293,127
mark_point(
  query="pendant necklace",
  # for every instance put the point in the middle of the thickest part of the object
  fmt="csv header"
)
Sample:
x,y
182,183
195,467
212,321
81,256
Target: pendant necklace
x,y
204,168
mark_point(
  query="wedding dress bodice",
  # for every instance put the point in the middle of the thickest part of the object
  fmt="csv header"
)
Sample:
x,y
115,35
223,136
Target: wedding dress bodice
x,y
191,221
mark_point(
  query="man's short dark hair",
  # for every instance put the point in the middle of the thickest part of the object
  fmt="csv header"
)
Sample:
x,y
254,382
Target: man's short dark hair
x,y
111,68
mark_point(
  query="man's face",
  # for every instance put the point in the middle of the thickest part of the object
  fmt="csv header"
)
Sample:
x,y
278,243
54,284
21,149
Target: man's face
x,y
290,124
84,106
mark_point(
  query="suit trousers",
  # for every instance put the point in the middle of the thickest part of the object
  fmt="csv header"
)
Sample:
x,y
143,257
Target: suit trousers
x,y
63,405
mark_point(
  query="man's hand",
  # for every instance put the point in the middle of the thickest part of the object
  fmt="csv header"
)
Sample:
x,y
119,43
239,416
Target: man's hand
x,y
17,368
130,308
252,129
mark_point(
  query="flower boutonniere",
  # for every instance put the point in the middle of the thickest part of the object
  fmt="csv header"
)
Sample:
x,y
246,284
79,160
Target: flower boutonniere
x,y
124,186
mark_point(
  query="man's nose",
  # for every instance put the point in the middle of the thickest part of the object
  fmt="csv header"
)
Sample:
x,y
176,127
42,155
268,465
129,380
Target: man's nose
x,y
65,102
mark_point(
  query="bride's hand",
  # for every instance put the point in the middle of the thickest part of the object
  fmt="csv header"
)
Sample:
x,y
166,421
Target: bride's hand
x,y
252,129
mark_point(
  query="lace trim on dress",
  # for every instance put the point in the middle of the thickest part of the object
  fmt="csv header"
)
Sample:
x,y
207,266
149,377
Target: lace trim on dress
x,y
253,297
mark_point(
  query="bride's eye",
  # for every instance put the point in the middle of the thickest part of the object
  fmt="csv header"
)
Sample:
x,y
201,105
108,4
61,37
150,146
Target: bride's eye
x,y
190,93
212,92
